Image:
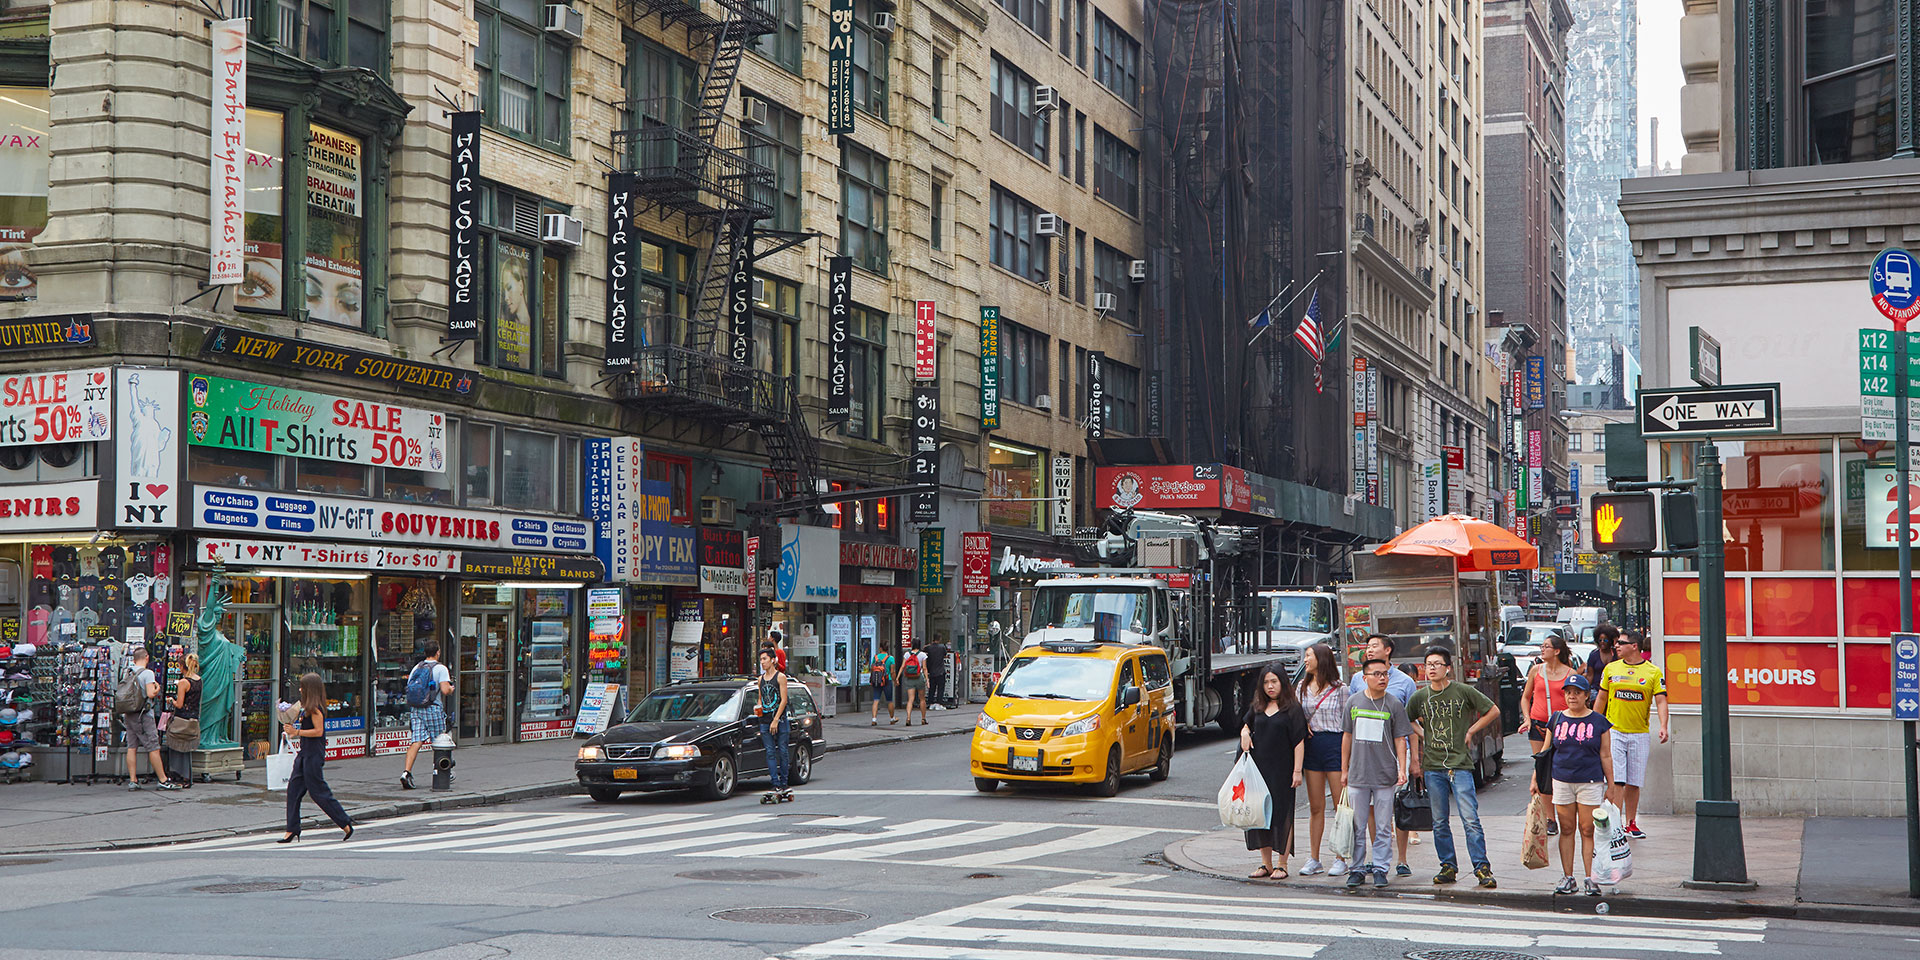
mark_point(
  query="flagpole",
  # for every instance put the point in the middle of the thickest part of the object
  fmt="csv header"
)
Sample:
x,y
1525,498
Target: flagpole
x,y
1289,305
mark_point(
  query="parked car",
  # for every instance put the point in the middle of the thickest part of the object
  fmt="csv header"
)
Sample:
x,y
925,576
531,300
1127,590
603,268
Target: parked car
x,y
696,735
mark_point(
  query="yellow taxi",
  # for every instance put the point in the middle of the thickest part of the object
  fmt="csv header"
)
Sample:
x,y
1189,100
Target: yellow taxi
x,y
1073,711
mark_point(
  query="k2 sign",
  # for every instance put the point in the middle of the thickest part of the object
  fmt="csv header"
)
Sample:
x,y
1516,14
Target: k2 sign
x,y
146,461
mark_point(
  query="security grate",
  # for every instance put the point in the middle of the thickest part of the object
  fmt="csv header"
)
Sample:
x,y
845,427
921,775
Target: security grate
x,y
250,886
742,876
802,916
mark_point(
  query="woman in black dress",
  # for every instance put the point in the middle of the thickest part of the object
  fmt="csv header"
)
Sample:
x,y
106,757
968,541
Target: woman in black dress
x,y
1276,734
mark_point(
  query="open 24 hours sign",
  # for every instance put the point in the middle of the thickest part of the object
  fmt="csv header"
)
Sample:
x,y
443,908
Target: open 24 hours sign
x,y
305,516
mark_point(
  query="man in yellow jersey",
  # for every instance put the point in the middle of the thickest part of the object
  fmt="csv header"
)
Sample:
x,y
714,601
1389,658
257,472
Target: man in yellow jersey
x,y
1631,689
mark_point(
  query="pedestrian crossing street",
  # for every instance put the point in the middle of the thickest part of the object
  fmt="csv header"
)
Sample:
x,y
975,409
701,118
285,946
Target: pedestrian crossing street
x,y
1134,918
926,841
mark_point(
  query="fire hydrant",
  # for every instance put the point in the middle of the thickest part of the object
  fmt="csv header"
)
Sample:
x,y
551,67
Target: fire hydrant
x,y
443,761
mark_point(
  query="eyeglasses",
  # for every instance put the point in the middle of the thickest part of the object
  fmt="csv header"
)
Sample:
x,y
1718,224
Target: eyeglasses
x,y
1375,673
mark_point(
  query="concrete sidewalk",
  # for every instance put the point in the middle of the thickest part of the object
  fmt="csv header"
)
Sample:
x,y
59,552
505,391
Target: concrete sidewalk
x,y
1822,869
60,817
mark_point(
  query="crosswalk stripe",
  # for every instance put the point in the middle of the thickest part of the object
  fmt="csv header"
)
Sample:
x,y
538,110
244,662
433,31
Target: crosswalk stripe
x,y
1315,928
918,951
1095,837
481,836
638,832
784,847
666,846
479,831
1179,946
965,838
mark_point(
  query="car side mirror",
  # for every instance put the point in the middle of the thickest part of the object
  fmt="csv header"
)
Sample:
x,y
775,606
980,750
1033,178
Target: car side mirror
x,y
1129,696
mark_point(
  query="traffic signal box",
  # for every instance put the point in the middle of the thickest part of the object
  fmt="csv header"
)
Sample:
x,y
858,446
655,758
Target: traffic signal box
x,y
1624,522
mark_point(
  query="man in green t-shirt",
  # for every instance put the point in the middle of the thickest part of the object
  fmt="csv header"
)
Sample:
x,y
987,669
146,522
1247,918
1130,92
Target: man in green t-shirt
x,y
1447,717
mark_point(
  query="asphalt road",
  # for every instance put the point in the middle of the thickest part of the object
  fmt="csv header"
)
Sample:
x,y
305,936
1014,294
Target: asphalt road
x,y
890,853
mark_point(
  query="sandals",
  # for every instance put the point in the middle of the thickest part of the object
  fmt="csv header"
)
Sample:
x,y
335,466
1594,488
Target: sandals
x,y
1279,873
1260,873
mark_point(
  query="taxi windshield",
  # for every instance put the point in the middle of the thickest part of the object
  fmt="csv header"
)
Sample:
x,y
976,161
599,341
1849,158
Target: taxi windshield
x,y
1057,678
1078,607
712,705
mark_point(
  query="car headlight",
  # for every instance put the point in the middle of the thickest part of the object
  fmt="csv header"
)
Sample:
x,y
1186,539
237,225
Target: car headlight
x,y
676,751
1080,726
987,723
592,752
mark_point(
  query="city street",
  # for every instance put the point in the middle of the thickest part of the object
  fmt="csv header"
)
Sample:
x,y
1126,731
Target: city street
x,y
889,853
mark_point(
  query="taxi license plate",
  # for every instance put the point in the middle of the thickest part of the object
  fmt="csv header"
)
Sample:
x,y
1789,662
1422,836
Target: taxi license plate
x,y
1026,764
626,773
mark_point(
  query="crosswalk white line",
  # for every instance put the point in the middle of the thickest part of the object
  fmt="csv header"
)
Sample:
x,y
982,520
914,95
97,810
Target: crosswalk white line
x,y
423,844
503,827
1086,839
1178,946
667,846
916,951
786,847
987,834
613,835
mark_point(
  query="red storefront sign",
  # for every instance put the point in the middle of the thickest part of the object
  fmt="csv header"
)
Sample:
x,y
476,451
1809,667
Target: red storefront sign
x,y
1456,457
976,564
1760,674
868,593
923,339
753,583
546,729
346,746
387,742
1186,486
880,556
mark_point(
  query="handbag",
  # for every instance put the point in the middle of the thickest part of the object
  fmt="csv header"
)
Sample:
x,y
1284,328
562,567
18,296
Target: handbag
x,y
280,766
183,734
1533,842
1412,810
1340,834
1244,800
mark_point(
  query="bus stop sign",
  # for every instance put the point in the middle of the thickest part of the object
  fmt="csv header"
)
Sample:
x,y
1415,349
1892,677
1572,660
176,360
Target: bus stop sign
x,y
1895,283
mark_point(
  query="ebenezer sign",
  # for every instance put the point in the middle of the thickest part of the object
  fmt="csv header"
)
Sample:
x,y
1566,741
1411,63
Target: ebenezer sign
x,y
338,518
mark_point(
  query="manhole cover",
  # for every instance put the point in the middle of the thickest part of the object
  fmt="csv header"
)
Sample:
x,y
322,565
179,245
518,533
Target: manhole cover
x,y
788,915
250,886
983,876
1470,955
730,876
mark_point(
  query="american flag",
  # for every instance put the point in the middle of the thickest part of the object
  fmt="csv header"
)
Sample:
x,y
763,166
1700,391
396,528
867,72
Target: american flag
x,y
1308,332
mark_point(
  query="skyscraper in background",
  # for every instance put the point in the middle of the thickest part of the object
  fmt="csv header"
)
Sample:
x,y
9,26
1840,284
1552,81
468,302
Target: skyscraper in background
x,y
1603,289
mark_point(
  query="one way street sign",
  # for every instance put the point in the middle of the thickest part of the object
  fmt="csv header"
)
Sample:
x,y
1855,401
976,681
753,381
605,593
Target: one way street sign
x,y
1715,411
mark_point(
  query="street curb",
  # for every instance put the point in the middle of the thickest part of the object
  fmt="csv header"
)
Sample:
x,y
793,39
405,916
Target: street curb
x,y
386,809
1625,905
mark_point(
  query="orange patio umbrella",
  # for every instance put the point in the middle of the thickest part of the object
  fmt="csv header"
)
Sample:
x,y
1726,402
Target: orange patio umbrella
x,y
1476,544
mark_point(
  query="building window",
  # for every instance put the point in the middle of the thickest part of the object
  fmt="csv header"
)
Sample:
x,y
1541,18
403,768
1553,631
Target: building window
x,y
939,97
1111,274
1034,13
1065,110
776,327
1079,33
1015,247
870,54
1600,442
1080,149
1016,479
1852,89
23,198
479,464
1023,363
1066,266
525,73
778,147
937,215
334,216
863,207
524,282
666,291
674,475
867,353
1116,59
1116,172
1014,115
1573,442
425,486
782,46
529,470
1080,266
333,33
1122,385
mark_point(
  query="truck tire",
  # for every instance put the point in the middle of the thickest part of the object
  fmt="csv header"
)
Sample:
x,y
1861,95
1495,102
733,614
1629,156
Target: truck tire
x,y
1233,706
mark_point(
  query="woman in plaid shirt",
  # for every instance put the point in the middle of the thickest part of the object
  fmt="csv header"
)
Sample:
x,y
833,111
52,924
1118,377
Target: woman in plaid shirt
x,y
1324,699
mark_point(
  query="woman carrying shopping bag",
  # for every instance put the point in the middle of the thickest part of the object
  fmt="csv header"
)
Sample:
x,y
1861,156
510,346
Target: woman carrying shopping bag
x,y
1325,699
311,734
1275,734
182,734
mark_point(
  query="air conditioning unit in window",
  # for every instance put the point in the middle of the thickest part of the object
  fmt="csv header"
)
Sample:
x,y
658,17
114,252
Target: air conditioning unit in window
x,y
1045,97
1044,401
754,111
883,23
560,228
717,511
1137,271
759,290
566,21
1046,224
1105,302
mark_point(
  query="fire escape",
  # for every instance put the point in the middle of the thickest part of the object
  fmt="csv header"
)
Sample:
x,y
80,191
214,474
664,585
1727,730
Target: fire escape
x,y
687,158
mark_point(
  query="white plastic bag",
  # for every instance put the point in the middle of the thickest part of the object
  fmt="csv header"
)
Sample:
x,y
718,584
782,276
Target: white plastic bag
x,y
280,766
1340,835
1244,800
1613,862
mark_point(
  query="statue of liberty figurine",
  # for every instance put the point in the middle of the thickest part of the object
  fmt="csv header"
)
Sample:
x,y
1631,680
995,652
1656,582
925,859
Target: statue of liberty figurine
x,y
220,660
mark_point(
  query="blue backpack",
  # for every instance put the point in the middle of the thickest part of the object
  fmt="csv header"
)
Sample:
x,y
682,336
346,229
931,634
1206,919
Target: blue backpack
x,y
421,690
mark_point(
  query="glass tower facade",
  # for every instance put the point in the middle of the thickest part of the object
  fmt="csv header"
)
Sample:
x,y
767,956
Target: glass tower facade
x,y
1603,289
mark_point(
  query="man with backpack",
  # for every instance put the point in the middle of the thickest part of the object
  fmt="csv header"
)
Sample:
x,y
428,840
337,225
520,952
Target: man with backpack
x,y
133,702
426,716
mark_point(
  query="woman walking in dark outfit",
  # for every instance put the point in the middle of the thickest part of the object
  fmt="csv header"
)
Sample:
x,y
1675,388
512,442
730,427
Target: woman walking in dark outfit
x,y
1276,735
311,734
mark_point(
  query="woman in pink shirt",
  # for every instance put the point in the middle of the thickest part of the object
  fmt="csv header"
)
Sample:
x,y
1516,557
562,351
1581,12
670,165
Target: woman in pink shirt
x,y
1544,694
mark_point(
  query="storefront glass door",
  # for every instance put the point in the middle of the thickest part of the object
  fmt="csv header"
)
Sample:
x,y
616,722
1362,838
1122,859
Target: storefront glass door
x,y
483,675
253,628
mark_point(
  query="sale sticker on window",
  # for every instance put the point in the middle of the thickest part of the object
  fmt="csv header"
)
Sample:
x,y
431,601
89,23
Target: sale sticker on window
x,y
266,418
66,407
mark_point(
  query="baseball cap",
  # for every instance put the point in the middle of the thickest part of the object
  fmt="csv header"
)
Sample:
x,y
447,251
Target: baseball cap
x,y
1579,681
8,716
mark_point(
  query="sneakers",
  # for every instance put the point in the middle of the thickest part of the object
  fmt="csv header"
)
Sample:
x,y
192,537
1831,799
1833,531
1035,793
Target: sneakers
x,y
1403,871
169,785
1355,879
406,780
1485,876
1592,889
1313,868
1340,866
1448,874
1568,885
1380,879
1553,828
1634,832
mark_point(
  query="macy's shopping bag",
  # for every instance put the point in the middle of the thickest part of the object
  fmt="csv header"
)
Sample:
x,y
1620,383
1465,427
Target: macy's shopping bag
x,y
1613,862
1244,800
280,766
1533,843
